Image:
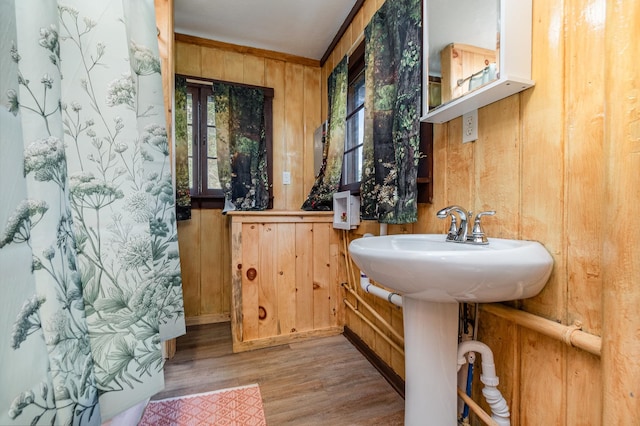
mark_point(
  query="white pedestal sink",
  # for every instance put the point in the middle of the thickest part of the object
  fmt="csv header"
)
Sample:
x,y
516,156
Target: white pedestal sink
x,y
433,276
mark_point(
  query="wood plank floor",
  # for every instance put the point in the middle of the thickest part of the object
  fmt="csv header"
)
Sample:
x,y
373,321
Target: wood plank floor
x,y
324,381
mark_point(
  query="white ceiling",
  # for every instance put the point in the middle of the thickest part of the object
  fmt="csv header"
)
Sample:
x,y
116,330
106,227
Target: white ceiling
x,y
298,27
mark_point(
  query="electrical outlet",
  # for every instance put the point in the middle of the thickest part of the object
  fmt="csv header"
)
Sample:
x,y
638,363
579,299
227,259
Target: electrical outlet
x,y
286,178
470,126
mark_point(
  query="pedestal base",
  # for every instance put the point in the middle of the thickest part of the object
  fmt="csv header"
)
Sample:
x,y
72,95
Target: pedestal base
x,y
431,346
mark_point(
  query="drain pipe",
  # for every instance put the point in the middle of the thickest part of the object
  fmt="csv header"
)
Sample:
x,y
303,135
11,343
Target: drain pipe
x,y
366,285
499,406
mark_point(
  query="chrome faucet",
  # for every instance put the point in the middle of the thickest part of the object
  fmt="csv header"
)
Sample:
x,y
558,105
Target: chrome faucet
x,y
460,233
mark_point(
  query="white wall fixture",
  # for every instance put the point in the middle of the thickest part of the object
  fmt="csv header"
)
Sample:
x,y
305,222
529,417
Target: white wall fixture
x,y
346,210
512,70
470,126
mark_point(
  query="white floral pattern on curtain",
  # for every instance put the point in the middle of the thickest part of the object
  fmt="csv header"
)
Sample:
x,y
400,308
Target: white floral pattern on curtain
x,y
88,244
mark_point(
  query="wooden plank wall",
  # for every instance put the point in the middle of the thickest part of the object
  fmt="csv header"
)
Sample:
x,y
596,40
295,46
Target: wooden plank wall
x,y
204,241
559,168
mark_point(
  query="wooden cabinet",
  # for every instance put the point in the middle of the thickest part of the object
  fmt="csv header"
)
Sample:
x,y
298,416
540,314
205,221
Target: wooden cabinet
x,y
285,275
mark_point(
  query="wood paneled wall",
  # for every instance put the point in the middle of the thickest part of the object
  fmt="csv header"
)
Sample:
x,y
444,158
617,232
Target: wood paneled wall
x,y
296,104
204,241
559,164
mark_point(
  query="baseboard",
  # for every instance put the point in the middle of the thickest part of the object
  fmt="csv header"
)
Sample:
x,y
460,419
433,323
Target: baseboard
x,y
207,319
387,372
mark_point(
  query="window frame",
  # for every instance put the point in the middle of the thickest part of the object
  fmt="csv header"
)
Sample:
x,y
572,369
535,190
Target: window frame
x,y
355,73
201,195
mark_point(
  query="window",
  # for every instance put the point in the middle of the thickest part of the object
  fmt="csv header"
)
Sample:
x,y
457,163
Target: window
x,y
201,130
206,191
354,136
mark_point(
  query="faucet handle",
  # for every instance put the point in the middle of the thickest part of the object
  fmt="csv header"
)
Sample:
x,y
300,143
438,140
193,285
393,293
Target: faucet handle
x,y
453,228
477,234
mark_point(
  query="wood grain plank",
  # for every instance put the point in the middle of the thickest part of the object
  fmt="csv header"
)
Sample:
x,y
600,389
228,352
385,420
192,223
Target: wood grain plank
x,y
585,180
584,388
274,77
236,273
304,276
189,246
227,252
542,396
211,60
267,285
294,135
321,275
543,155
496,155
621,294
188,60
337,277
211,266
250,287
233,66
253,70
285,277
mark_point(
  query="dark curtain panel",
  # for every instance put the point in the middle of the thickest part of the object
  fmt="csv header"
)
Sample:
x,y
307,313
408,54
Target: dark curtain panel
x,y
183,195
241,146
393,78
328,179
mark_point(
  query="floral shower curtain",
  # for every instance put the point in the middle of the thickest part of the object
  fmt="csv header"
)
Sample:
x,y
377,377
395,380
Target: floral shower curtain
x,y
393,41
88,249
328,179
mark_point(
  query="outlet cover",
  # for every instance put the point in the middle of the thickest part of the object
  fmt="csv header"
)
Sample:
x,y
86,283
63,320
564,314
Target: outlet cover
x,y
286,178
470,126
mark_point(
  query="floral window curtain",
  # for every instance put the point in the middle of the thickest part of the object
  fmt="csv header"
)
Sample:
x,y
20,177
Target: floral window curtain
x,y
392,111
183,196
88,247
328,179
241,146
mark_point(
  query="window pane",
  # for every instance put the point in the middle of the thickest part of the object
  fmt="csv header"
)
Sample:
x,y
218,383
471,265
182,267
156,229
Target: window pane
x,y
359,92
355,130
213,182
355,94
352,166
211,113
190,126
190,141
211,142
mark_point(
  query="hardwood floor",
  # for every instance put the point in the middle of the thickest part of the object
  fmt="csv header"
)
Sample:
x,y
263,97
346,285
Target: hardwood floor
x,y
324,381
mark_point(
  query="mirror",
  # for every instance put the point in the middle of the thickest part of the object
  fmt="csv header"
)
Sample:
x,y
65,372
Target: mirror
x,y
463,47
479,51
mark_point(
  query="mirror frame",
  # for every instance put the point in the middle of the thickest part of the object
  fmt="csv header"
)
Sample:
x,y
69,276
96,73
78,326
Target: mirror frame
x,y
515,64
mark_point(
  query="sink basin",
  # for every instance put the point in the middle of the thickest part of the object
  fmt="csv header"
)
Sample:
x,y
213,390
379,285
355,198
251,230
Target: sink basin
x,y
433,276
426,267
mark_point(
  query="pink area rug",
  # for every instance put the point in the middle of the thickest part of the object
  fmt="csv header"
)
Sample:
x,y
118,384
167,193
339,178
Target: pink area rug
x,y
241,406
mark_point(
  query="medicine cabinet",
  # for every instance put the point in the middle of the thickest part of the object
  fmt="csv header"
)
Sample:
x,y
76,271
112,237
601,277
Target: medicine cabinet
x,y
476,52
